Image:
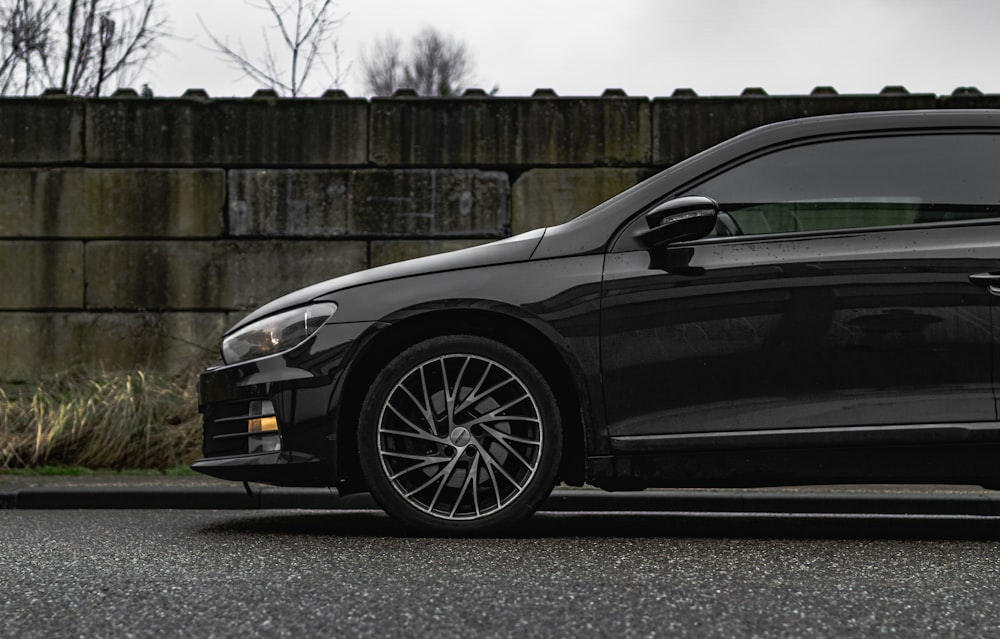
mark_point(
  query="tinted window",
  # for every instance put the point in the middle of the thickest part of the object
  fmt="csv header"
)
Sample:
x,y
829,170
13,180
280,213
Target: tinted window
x,y
861,182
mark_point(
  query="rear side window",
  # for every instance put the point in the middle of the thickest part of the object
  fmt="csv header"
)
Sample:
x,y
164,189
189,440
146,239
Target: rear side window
x,y
864,182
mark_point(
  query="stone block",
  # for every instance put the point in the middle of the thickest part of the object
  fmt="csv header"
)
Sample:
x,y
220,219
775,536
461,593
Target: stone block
x,y
33,344
288,203
41,130
93,203
429,203
417,202
387,252
216,275
547,197
508,132
683,126
228,132
969,100
41,275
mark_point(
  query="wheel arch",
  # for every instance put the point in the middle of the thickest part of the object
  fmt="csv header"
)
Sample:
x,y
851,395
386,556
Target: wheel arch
x,y
555,363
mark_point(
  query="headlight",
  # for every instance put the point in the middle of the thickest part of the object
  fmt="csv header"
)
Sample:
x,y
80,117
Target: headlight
x,y
276,333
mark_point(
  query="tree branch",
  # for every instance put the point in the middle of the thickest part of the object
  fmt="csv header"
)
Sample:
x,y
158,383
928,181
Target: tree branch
x,y
302,45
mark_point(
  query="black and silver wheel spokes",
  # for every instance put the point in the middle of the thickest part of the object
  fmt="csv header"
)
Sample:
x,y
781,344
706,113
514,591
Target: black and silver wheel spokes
x,y
460,436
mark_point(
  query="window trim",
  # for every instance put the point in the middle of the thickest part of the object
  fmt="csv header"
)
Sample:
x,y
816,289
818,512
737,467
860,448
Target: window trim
x,y
824,233
625,238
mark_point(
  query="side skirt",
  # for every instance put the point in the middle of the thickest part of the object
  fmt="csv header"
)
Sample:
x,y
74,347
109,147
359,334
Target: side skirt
x,y
942,453
812,437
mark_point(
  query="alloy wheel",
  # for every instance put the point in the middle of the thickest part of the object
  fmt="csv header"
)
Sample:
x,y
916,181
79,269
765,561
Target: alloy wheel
x,y
460,436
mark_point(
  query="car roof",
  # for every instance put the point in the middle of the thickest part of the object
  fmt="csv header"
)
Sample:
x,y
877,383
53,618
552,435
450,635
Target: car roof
x,y
591,231
874,120
866,122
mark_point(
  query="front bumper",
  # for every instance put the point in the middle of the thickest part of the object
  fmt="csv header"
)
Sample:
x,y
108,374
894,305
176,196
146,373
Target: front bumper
x,y
267,468
295,394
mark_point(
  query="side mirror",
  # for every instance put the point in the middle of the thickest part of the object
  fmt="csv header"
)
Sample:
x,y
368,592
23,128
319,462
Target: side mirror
x,y
681,219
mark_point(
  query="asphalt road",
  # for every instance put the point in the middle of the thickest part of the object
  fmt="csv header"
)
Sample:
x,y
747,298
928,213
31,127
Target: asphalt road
x,y
106,573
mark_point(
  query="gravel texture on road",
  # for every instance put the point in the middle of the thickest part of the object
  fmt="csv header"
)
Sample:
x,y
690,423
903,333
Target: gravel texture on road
x,y
352,573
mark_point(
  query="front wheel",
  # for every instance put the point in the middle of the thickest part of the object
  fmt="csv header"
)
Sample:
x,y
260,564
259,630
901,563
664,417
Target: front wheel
x,y
460,435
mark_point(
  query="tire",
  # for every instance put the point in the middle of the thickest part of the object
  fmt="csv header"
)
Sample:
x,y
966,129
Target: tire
x,y
460,435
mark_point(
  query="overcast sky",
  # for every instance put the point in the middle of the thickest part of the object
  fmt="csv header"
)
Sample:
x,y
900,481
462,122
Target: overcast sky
x,y
646,47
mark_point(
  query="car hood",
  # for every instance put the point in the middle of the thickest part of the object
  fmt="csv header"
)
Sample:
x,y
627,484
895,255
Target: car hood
x,y
513,249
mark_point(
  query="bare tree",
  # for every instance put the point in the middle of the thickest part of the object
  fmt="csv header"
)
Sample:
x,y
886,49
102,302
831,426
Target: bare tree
x,y
383,71
25,43
103,42
304,26
75,45
437,65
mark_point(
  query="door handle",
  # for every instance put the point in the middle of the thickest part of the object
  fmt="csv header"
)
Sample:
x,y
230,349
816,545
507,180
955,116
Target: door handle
x,y
985,279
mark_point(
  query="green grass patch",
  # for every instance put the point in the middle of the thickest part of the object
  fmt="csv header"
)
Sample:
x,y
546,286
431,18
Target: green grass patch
x,y
181,471
48,471
75,421
78,471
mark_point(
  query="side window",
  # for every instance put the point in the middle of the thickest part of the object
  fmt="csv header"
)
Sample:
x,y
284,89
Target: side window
x,y
863,182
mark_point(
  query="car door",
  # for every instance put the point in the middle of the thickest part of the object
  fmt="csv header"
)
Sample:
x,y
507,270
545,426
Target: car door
x,y
834,301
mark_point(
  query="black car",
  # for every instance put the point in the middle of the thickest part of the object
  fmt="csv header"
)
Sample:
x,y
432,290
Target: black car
x,y
813,301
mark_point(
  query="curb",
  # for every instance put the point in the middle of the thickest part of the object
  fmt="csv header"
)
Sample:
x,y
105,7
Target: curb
x,y
194,498
571,500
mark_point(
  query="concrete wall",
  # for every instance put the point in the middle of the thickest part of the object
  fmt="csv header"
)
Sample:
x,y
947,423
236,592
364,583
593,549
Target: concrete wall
x,y
133,231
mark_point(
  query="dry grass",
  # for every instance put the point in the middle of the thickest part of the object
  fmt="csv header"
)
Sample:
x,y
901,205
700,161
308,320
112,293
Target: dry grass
x,y
113,420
